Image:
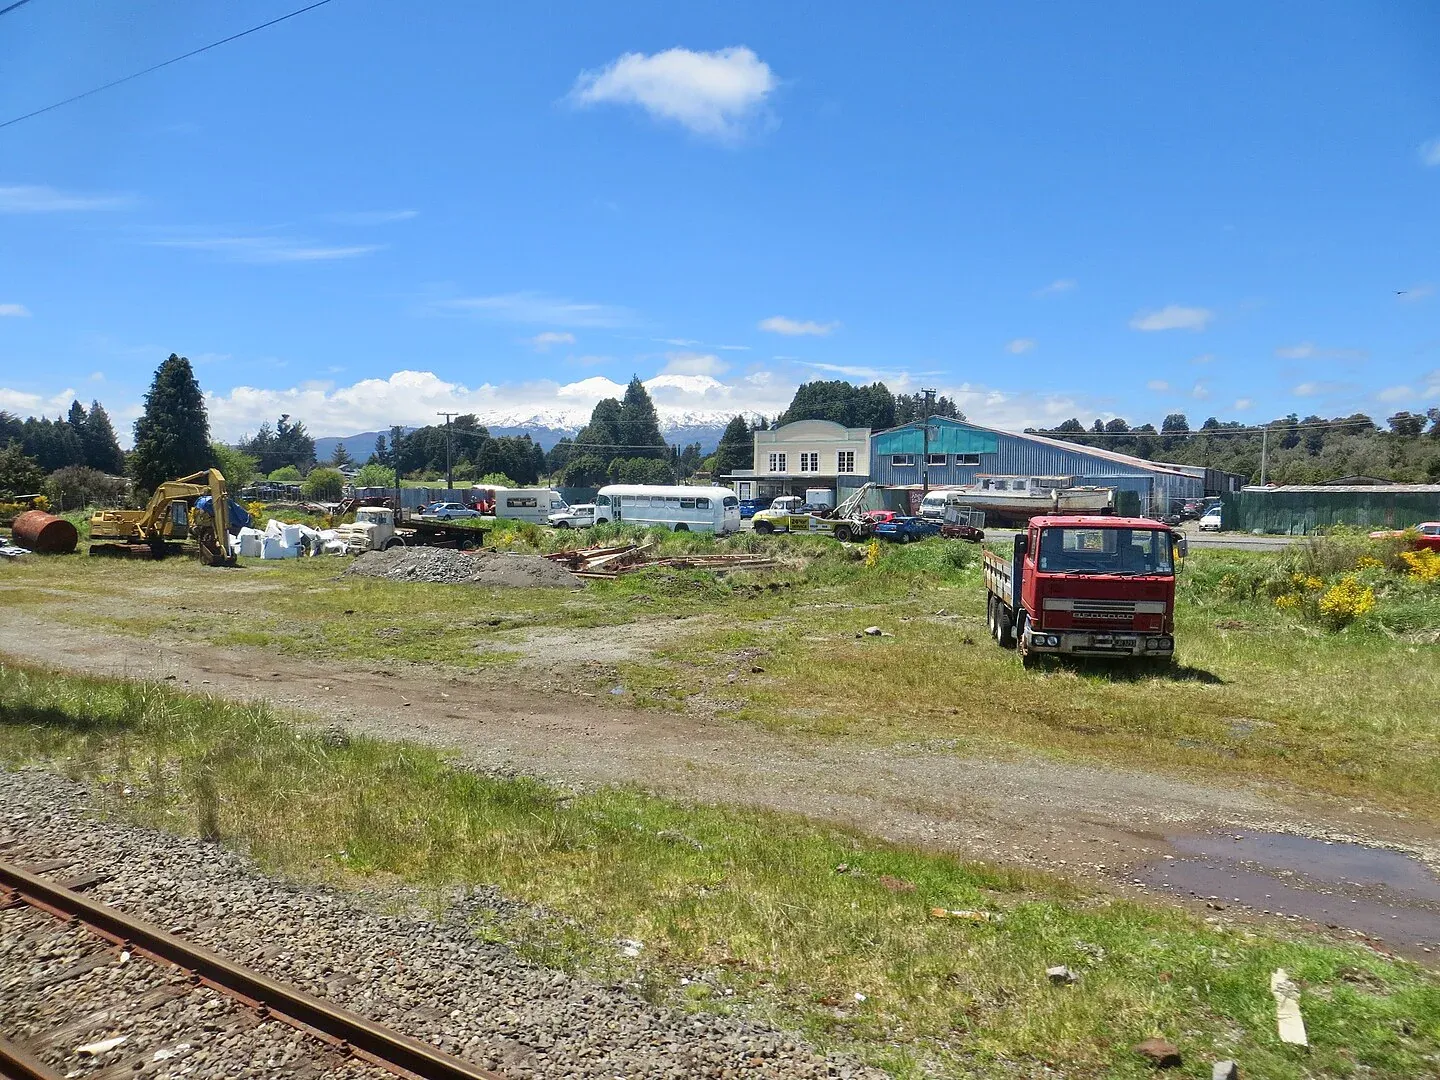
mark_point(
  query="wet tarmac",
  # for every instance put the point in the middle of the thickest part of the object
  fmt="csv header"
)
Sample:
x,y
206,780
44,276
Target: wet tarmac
x,y
1386,896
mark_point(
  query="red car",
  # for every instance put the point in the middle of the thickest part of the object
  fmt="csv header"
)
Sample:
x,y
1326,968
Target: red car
x,y
875,517
1429,534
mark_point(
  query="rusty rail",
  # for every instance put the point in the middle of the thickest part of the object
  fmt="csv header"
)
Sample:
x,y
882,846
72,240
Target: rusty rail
x,y
343,1030
16,1063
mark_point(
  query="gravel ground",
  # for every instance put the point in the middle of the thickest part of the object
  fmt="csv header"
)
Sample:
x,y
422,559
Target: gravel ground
x,y
432,980
446,567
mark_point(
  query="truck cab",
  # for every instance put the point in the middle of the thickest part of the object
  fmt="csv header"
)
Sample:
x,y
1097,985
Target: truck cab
x,y
1087,585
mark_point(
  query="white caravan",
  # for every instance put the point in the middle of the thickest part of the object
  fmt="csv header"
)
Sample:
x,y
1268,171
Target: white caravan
x,y
684,509
528,504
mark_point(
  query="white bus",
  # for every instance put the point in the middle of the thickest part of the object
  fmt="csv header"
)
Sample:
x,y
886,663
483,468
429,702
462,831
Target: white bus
x,y
684,509
528,504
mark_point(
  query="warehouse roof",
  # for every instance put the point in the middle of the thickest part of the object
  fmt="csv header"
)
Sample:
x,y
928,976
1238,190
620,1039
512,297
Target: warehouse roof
x,y
1362,489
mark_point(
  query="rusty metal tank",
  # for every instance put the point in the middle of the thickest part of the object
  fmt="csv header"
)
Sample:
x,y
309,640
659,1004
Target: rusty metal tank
x,y
44,533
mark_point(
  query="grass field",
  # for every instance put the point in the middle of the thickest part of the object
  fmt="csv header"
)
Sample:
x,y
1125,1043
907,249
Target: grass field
x,y
1257,691
822,929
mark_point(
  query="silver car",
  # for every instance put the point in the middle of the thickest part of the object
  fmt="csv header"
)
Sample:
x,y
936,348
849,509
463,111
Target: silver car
x,y
450,511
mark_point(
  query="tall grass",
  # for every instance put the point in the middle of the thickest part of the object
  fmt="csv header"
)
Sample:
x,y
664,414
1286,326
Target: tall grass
x,y
830,932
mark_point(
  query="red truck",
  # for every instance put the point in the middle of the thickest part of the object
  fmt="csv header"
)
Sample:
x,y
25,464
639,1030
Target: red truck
x,y
1086,585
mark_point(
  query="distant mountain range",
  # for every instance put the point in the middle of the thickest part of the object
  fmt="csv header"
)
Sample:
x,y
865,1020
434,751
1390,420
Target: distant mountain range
x,y
547,430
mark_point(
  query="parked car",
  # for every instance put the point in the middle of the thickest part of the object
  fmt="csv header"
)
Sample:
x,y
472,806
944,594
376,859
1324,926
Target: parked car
x,y
1210,522
449,511
904,530
875,517
579,516
1427,534
748,507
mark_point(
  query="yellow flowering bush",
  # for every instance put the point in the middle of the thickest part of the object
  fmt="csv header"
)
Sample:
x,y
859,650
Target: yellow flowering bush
x,y
1369,562
1424,564
872,553
1287,602
1345,601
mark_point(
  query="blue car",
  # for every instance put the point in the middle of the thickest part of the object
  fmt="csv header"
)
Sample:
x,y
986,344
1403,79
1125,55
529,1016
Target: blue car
x,y
749,506
903,530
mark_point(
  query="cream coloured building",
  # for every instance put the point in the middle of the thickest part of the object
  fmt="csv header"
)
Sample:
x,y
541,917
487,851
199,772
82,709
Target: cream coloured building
x,y
793,458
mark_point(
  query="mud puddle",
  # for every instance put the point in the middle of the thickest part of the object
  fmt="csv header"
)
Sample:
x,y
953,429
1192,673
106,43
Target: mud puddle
x,y
1386,896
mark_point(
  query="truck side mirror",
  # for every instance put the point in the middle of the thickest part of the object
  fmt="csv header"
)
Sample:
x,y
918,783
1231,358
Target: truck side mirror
x,y
1182,545
1022,545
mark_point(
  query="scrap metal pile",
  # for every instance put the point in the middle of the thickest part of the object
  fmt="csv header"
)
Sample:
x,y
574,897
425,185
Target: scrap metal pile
x,y
611,562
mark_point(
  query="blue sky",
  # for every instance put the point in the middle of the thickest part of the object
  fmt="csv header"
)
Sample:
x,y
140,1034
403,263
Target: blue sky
x,y
374,211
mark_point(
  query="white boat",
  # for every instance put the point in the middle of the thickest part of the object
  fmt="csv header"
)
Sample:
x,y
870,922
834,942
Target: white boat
x,y
1019,498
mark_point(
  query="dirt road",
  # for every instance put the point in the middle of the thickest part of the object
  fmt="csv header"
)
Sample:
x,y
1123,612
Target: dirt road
x,y
1080,819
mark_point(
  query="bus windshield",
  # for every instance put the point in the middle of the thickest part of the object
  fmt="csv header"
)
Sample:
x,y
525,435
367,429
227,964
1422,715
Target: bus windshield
x,y
1105,551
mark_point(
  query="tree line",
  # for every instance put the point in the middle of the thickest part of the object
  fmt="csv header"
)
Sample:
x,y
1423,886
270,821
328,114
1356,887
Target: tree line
x,y
1297,450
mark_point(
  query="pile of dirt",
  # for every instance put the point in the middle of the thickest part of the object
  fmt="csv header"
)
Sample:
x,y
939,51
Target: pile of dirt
x,y
446,567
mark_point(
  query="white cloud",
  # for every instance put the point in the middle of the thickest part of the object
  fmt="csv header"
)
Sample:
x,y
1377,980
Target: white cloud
x,y
1199,391
715,94
1416,292
97,376
39,199
544,341
23,404
1243,404
1308,350
270,249
413,397
780,324
14,311
1173,317
1158,385
534,307
1392,394
733,348
1020,345
1430,153
1324,389
678,342
689,363
850,371
372,217
1062,285
1203,358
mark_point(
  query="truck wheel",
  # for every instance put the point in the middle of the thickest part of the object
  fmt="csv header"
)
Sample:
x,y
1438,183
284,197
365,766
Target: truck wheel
x,y
680,526
991,623
764,528
393,542
1006,629
843,534
562,524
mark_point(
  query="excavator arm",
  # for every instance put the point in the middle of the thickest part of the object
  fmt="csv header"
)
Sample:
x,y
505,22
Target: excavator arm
x,y
154,526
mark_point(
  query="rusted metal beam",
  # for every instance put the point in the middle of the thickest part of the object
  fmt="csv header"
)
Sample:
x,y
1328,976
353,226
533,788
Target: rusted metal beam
x,y
344,1030
16,1063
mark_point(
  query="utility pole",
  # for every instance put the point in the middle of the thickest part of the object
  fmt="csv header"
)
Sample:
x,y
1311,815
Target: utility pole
x,y
449,474
1264,452
925,462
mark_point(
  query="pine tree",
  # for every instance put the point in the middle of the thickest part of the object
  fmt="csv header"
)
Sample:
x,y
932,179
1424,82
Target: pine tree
x,y
341,456
639,423
172,437
77,416
737,448
102,449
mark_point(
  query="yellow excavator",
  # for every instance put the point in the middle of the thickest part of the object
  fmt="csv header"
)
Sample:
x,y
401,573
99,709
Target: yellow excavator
x,y
194,509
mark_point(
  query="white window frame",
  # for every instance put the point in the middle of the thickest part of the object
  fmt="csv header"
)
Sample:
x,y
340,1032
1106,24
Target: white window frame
x,y
778,462
902,461
809,462
967,459
937,459
844,461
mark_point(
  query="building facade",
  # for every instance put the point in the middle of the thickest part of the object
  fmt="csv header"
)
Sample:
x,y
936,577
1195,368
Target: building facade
x,y
954,453
793,458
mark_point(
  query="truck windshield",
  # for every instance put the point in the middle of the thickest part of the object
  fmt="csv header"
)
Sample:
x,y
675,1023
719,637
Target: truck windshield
x,y
1105,551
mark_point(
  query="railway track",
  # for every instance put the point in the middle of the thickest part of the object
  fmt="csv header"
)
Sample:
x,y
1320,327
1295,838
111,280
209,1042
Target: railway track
x,y
55,920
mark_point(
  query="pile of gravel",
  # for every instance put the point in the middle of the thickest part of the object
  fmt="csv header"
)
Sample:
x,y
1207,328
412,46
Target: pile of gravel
x,y
447,567
435,981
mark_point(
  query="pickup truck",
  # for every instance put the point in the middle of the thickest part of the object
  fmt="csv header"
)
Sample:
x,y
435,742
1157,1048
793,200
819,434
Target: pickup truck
x,y
1086,585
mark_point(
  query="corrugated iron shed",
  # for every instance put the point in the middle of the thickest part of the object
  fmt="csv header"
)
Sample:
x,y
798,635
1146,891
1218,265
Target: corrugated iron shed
x,y
1304,509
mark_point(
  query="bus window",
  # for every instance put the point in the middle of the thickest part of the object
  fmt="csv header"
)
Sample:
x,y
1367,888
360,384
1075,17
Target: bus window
x,y
687,504
727,502
602,500
702,504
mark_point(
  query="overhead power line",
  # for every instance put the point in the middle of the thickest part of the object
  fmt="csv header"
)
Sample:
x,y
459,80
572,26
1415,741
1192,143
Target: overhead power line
x,y
11,7
1276,425
163,63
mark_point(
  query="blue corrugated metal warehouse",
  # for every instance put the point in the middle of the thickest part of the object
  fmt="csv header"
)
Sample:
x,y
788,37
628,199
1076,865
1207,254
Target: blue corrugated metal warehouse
x,y
959,451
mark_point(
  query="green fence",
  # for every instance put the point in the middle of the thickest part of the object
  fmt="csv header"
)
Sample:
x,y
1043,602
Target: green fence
x,y
1303,511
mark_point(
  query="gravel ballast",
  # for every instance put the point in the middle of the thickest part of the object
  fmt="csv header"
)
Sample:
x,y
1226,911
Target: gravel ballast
x,y
444,566
432,980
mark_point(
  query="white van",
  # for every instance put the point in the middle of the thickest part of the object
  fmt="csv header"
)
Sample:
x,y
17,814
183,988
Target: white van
x,y
684,509
932,506
528,504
